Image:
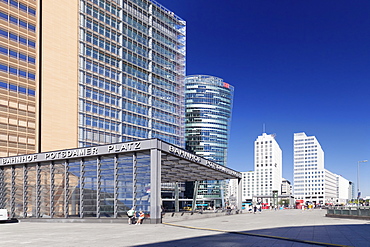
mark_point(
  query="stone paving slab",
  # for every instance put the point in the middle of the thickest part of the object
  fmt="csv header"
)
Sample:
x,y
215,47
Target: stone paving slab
x,y
292,224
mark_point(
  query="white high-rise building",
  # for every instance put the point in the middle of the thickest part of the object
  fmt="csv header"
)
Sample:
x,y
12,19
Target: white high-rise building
x,y
344,190
286,187
309,174
267,174
267,165
312,182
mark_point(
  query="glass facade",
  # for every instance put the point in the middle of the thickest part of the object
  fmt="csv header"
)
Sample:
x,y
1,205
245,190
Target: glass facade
x,y
132,69
208,102
18,39
105,186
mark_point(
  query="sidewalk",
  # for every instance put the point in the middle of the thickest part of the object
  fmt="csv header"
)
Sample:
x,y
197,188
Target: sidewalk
x,y
291,224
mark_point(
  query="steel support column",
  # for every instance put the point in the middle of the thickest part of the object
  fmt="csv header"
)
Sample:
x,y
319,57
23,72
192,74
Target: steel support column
x,y
82,186
134,179
177,208
2,188
25,190
12,193
155,186
239,194
195,193
38,190
66,189
115,200
52,189
98,186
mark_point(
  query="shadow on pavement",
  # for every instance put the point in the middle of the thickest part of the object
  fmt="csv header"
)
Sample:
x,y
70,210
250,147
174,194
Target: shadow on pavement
x,y
333,235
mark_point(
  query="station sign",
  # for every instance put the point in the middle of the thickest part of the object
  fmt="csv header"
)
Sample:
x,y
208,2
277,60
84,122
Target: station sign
x,y
77,153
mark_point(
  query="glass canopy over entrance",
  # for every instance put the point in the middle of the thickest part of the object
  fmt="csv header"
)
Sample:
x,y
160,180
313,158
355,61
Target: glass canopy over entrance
x,y
100,181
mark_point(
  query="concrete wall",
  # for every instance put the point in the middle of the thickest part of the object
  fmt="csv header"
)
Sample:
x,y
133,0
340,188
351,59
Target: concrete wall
x,y
59,75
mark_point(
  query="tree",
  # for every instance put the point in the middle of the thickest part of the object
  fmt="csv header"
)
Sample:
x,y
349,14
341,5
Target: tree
x,y
284,202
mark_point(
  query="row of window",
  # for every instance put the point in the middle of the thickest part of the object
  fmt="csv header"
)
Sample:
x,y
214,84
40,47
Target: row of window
x,y
134,107
102,43
301,140
101,123
164,84
164,106
175,139
101,96
101,56
107,6
21,6
135,59
17,88
101,83
101,69
164,28
100,15
137,12
164,51
134,95
165,116
135,119
101,29
98,136
141,4
134,83
169,75
164,62
135,23
17,55
165,127
135,71
136,48
135,131
17,21
158,36
135,35
17,72
17,38
102,110
264,142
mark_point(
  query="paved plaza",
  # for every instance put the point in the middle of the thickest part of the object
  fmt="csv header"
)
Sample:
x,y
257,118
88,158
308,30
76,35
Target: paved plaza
x,y
270,228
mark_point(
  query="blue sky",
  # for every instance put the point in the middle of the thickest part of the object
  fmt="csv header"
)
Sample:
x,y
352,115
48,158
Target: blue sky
x,y
297,66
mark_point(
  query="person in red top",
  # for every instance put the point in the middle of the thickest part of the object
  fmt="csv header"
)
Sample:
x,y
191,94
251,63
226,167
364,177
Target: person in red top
x,y
141,218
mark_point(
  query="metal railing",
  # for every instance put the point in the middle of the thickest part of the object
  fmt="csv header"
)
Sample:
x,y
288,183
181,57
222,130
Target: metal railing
x,y
362,211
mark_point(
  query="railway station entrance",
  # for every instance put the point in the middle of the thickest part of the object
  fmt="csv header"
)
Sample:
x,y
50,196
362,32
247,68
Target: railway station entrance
x,y
101,181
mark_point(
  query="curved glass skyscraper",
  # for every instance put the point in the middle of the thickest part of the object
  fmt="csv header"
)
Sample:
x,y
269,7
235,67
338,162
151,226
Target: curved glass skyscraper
x,y
208,102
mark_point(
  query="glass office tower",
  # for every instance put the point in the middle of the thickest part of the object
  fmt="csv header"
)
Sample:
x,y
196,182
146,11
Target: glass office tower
x,y
18,39
208,102
132,68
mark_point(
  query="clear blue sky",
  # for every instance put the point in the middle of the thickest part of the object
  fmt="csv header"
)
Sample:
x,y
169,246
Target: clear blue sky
x,y
297,66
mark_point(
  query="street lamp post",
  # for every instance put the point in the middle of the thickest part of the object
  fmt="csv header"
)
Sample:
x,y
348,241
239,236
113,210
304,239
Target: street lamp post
x,y
358,182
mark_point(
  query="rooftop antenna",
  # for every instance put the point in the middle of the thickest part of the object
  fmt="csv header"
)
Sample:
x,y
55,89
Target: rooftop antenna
x,y
264,128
